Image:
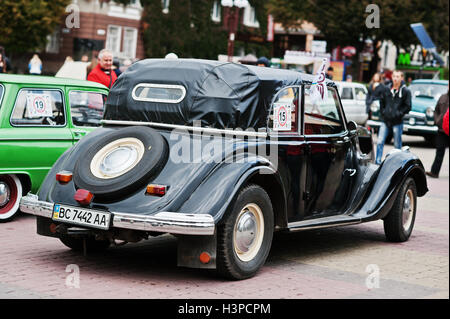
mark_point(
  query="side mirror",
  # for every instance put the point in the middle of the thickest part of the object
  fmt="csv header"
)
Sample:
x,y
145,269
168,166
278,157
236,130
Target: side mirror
x,y
352,126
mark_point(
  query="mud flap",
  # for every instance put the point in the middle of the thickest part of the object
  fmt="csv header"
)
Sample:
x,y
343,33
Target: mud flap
x,y
191,247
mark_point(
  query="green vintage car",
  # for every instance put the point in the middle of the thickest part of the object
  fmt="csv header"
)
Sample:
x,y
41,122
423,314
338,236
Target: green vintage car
x,y
40,117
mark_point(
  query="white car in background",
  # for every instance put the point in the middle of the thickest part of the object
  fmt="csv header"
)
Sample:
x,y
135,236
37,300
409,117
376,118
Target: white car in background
x,y
353,98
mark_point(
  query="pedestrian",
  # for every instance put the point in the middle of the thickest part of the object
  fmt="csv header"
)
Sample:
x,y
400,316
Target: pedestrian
x,y
349,78
441,137
329,74
263,61
445,123
7,63
35,65
2,64
374,90
395,103
102,72
116,67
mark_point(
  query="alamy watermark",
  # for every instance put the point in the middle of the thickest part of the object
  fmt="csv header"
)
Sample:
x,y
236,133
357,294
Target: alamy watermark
x,y
73,279
373,280
373,19
73,19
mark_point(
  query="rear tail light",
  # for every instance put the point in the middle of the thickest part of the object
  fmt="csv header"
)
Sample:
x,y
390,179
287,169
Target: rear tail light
x,y
84,197
154,189
64,176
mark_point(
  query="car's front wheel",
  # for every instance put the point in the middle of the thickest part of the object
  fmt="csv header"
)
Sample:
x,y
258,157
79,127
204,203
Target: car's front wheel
x,y
245,237
10,195
399,223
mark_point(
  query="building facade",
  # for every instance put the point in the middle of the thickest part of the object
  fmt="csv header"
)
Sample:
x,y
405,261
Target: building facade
x,y
91,25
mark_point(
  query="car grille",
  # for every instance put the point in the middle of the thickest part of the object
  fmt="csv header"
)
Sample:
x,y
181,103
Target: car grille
x,y
415,119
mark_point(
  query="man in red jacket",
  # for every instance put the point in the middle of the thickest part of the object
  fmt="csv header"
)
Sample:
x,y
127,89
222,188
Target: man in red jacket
x,y
103,72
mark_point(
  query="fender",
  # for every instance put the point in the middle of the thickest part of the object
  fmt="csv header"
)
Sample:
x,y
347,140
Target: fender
x,y
390,176
208,198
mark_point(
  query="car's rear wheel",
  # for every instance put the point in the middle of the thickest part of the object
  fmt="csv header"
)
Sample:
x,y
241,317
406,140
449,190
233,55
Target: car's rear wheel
x,y
78,244
399,223
245,237
10,195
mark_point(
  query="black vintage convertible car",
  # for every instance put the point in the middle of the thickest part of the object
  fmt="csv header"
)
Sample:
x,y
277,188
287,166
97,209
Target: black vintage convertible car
x,y
221,155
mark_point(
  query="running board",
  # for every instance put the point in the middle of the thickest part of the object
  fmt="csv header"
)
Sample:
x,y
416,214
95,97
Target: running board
x,y
324,222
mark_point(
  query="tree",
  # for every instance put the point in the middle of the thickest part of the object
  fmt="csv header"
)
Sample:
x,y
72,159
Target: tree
x,y
25,24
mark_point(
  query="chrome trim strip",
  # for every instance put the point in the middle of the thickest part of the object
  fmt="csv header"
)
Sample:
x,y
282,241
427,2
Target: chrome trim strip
x,y
166,222
323,222
195,129
432,129
407,127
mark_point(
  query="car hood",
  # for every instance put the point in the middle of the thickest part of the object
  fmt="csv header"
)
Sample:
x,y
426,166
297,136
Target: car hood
x,y
420,104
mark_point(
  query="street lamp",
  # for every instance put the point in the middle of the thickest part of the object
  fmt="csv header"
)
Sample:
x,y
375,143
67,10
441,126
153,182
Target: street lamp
x,y
232,18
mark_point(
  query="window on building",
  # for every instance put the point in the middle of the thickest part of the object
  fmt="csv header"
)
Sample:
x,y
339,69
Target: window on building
x,y
250,17
113,38
53,42
130,42
165,6
216,12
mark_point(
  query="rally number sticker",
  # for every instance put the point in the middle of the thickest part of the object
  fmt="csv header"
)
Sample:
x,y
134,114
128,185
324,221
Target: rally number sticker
x,y
39,105
282,120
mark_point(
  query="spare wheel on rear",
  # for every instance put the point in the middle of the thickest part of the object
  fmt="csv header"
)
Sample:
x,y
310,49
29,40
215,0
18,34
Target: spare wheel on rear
x,y
121,162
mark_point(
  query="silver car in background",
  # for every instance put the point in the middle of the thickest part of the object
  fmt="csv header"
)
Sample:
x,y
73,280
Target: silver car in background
x,y
353,98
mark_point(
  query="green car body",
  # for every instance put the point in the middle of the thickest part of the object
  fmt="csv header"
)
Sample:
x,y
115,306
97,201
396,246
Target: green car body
x,y
425,94
29,145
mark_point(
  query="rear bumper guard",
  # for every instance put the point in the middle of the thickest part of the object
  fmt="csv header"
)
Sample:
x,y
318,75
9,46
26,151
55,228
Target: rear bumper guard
x,y
165,222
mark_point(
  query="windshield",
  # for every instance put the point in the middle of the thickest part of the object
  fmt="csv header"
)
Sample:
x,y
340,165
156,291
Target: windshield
x,y
428,90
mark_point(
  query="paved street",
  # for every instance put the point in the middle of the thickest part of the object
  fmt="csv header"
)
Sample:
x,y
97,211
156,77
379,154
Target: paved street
x,y
332,263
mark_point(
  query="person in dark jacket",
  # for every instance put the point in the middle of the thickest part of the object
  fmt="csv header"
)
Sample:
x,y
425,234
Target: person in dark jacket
x,y
441,137
395,103
375,89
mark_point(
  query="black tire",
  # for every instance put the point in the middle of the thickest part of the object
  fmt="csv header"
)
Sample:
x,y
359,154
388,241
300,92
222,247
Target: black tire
x,y
92,245
395,228
230,263
430,140
153,159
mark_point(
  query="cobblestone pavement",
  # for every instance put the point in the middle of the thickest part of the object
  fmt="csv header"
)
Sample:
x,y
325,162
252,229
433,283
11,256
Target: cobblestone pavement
x,y
332,263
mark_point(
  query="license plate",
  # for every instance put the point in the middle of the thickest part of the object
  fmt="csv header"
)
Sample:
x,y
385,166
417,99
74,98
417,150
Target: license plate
x,y
81,216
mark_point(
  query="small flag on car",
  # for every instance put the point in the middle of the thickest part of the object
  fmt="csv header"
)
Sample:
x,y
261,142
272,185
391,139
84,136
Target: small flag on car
x,y
319,92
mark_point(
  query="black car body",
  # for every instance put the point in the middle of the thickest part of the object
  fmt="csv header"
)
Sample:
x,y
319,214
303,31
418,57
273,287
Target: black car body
x,y
230,153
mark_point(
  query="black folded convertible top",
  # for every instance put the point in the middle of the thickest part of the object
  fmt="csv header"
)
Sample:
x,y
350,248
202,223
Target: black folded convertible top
x,y
219,94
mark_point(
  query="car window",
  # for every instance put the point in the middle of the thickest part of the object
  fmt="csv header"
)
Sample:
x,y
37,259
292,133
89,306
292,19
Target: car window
x,y
86,107
283,117
35,107
323,117
347,94
360,94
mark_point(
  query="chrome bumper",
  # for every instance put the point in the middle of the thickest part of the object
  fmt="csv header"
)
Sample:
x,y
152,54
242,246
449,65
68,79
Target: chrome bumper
x,y
165,222
407,127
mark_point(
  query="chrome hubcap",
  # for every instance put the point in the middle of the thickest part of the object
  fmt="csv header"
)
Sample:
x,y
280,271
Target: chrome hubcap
x,y
4,194
118,160
408,210
248,232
